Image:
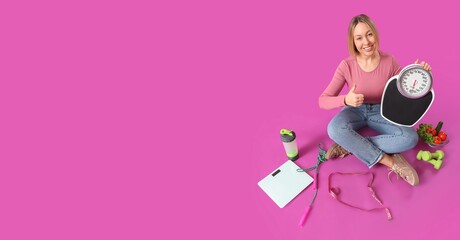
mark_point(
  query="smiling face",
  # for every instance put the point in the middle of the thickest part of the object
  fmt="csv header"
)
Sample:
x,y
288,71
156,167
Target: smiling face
x,y
364,40
363,37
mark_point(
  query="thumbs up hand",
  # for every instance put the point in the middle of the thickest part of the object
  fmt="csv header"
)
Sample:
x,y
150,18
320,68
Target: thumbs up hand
x,y
354,99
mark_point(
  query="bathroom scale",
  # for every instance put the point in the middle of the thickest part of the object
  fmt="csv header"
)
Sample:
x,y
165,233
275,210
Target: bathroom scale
x,y
285,183
407,96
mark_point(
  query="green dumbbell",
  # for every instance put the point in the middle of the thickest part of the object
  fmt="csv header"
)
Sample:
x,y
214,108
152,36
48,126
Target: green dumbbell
x,y
433,158
436,163
426,155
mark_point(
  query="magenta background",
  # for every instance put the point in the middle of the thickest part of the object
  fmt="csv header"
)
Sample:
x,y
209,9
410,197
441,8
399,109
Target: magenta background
x,y
156,119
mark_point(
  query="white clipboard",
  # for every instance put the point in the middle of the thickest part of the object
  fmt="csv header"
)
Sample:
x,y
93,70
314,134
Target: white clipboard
x,y
285,183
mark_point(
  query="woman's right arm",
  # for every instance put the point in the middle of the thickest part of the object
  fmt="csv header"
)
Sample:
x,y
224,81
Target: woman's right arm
x,y
330,98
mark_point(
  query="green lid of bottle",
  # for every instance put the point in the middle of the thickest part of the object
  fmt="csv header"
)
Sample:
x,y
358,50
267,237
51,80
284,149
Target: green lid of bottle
x,y
287,135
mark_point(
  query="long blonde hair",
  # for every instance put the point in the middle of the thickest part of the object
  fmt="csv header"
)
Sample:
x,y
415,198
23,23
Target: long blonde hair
x,y
351,28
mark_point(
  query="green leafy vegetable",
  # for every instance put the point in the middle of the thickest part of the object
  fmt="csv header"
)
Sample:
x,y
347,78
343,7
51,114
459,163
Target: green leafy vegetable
x,y
423,134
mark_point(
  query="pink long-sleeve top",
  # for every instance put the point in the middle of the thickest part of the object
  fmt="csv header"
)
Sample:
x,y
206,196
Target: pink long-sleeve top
x,y
370,84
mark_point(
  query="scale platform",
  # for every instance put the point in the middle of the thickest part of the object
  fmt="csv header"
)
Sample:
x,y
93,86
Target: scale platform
x,y
401,110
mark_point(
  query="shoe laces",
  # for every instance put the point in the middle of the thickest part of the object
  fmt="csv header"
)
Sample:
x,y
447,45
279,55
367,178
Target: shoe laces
x,y
397,170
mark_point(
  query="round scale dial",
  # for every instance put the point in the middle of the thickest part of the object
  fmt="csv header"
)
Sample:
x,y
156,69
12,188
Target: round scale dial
x,y
414,81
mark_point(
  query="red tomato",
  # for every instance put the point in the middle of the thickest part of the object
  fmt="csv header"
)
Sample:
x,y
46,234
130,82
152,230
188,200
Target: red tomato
x,y
437,140
428,130
433,132
442,135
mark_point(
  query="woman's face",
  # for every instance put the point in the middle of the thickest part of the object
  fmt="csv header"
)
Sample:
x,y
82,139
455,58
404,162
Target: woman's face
x,y
364,39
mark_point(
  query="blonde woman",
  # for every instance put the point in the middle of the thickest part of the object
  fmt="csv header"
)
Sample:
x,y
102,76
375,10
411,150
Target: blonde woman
x,y
366,72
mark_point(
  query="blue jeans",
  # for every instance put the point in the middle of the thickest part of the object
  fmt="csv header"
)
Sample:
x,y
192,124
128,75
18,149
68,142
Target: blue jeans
x,y
369,149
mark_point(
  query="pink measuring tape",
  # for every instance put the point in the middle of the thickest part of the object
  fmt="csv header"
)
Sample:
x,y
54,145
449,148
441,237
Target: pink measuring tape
x,y
336,191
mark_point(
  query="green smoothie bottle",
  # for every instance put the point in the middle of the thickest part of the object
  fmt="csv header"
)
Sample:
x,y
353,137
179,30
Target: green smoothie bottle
x,y
290,145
